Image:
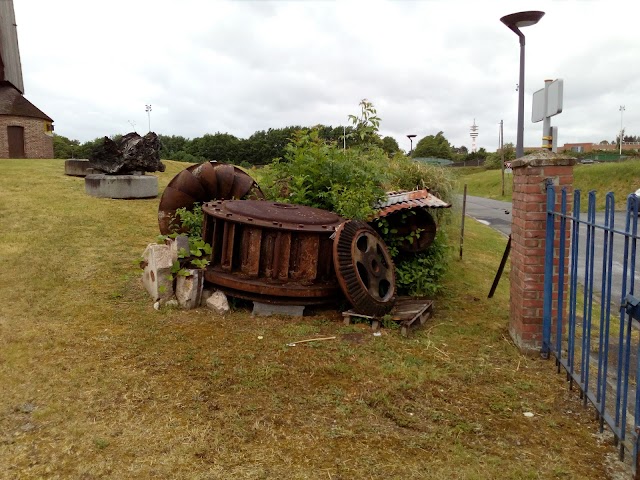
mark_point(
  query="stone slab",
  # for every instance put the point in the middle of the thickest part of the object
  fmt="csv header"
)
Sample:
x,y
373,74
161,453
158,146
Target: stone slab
x,y
156,263
189,289
267,310
121,186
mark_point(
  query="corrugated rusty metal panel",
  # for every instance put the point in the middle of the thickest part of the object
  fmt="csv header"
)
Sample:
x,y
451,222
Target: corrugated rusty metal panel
x,y
404,200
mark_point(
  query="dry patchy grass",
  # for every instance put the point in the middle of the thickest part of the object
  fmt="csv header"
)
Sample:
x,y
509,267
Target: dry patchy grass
x,y
97,384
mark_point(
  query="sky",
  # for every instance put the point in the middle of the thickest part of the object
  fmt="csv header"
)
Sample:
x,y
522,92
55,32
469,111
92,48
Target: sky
x,y
209,66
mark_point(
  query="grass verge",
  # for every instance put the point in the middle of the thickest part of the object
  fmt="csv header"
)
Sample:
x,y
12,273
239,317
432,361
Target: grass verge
x,y
97,384
621,178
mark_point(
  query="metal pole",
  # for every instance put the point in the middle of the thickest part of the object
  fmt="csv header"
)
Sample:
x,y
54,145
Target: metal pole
x,y
621,113
503,262
520,133
148,110
501,142
464,210
547,138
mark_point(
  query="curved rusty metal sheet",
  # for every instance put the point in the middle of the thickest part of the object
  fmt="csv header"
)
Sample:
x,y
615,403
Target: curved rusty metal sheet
x,y
408,212
405,200
202,183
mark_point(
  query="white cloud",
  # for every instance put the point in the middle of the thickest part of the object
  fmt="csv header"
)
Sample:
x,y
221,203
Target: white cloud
x,y
239,67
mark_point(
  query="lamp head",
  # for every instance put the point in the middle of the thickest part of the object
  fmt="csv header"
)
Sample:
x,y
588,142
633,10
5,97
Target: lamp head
x,y
515,21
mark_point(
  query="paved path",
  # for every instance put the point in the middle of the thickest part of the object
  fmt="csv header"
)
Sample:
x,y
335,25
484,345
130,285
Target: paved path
x,y
497,215
494,213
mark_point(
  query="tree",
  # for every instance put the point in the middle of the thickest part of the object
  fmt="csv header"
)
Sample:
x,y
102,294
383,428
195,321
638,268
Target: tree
x,y
494,160
222,147
64,147
171,145
390,146
435,146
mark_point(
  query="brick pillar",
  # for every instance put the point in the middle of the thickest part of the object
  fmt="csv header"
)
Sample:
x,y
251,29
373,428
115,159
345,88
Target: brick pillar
x,y
530,177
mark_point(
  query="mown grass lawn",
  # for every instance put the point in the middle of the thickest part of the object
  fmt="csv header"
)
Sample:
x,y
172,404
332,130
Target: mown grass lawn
x,y
94,383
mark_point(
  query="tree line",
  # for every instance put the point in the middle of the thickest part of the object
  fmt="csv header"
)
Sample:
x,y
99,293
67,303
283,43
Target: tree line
x,y
261,148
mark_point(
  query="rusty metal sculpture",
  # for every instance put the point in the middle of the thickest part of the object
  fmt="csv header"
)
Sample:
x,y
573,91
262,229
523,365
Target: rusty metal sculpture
x,y
203,183
364,268
271,252
407,212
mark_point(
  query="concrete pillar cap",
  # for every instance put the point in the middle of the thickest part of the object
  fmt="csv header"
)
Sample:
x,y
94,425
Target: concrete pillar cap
x,y
543,158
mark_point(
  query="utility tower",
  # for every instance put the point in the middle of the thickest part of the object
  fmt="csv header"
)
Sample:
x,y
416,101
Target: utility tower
x,y
473,132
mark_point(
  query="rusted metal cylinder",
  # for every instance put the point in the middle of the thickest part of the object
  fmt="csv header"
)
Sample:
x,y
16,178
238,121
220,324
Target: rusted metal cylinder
x,y
271,252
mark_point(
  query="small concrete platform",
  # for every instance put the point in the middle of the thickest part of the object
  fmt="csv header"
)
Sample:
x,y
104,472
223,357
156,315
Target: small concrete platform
x,y
77,167
121,186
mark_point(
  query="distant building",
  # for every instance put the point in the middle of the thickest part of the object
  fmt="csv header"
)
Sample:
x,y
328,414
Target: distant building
x,y
589,147
25,131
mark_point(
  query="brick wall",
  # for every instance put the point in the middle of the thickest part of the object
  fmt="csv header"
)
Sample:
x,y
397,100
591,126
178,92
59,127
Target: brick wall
x,y
37,143
528,231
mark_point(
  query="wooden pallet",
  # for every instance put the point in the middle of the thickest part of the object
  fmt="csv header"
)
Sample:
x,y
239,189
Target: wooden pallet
x,y
406,311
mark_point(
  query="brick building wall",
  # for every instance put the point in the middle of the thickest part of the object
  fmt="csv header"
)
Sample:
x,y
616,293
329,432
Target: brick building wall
x,y
37,143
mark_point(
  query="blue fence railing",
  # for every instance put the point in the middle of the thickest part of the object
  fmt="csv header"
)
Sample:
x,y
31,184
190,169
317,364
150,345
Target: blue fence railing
x,y
590,310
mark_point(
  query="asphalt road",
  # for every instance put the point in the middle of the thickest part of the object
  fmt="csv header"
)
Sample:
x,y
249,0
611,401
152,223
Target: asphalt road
x,y
497,215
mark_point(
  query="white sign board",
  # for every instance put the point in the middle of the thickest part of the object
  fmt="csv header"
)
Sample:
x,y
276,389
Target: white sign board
x,y
554,101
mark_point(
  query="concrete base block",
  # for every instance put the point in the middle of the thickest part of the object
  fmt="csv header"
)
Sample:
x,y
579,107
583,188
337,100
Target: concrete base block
x,y
267,309
189,289
80,167
156,263
121,186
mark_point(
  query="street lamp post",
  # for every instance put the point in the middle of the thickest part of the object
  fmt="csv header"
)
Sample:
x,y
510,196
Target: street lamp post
x,y
411,137
147,108
515,21
621,130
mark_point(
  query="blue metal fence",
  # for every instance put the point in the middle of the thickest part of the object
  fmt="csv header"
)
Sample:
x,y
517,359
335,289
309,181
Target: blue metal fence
x,y
590,313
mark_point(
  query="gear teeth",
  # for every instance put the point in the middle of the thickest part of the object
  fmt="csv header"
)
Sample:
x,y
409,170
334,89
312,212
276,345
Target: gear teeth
x,y
349,278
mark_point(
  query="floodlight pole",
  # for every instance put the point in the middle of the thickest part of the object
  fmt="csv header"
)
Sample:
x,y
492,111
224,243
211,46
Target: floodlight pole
x,y
147,108
515,21
621,112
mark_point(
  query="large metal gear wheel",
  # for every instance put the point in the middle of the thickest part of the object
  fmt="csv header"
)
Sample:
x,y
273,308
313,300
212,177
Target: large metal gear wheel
x,y
202,183
364,268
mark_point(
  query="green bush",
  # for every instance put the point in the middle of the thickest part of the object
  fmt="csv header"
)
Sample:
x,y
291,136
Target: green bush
x,y
320,174
421,274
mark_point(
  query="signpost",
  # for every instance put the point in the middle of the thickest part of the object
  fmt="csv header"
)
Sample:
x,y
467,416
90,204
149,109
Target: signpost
x,y
547,102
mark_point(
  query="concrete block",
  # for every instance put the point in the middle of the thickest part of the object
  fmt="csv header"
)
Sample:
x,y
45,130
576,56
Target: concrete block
x,y
189,289
181,241
80,167
267,309
121,186
156,263
218,302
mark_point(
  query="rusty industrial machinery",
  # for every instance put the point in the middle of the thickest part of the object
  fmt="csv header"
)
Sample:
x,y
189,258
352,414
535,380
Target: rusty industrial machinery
x,y
407,213
271,252
364,268
203,183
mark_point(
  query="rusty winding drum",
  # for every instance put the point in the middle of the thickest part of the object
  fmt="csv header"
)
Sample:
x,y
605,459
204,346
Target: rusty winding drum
x,y
271,252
